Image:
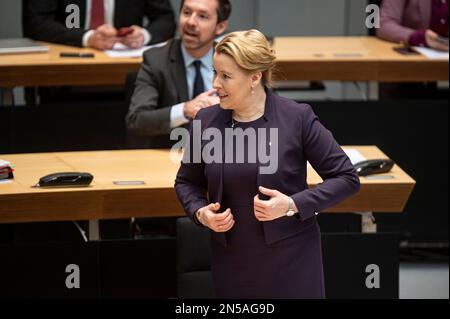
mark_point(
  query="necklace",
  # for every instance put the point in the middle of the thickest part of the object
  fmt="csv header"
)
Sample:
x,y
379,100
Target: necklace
x,y
233,123
249,119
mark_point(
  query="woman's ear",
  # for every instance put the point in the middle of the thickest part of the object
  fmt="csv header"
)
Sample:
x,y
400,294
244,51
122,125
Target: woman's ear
x,y
256,79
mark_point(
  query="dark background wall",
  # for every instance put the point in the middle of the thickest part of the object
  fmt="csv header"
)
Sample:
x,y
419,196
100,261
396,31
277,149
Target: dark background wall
x,y
415,135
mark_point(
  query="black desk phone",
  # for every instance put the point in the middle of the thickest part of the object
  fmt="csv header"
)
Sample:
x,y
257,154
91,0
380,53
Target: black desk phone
x,y
373,166
65,179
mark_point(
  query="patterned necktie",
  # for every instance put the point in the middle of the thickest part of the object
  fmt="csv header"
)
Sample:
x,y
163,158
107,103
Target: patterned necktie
x,y
97,14
199,87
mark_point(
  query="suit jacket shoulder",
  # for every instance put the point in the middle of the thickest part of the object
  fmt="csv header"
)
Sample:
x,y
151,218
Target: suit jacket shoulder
x,y
287,105
166,65
160,84
44,20
161,57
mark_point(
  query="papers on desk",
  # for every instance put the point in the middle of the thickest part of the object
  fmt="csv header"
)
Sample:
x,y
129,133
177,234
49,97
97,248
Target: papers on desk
x,y
21,45
122,51
354,155
432,54
6,170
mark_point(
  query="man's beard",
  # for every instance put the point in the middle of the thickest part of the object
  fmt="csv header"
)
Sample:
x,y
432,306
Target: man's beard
x,y
195,45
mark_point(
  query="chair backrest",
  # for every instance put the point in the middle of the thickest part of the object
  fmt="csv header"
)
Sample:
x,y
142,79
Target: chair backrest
x,y
130,80
193,260
133,141
25,31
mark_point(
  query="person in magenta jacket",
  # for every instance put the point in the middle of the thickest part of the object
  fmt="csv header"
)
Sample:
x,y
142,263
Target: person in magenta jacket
x,y
415,22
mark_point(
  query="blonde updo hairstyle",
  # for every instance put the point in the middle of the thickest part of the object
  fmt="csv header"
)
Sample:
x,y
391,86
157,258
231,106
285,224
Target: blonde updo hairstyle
x,y
251,51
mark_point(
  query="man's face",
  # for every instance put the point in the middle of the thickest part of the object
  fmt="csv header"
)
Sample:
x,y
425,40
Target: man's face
x,y
198,23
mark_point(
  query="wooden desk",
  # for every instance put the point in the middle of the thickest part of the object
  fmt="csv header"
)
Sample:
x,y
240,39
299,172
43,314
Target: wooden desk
x,y
40,69
19,202
298,58
352,59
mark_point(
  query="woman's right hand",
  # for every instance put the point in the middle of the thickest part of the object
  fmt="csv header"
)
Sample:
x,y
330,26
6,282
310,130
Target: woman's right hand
x,y
432,39
218,222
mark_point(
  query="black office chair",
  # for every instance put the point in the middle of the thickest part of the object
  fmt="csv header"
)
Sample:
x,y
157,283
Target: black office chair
x,y
194,278
130,80
133,141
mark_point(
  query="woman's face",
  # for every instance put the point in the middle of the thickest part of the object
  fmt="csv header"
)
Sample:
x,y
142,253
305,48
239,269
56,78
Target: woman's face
x,y
233,84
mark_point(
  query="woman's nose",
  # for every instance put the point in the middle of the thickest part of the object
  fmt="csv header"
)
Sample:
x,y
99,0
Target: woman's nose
x,y
216,82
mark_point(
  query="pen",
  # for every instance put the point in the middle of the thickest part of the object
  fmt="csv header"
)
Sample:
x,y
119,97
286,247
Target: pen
x,y
76,55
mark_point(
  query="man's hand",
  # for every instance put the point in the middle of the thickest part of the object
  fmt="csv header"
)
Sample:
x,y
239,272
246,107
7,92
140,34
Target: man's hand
x,y
205,99
135,39
432,39
218,222
103,38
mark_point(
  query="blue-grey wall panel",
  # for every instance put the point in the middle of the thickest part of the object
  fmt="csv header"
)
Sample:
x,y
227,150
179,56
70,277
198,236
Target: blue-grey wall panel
x,y
304,17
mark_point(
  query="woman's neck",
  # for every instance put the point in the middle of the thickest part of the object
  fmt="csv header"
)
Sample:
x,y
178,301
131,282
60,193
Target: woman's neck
x,y
253,109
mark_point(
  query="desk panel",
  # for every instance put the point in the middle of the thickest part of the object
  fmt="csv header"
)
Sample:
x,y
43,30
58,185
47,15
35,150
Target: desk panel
x,y
352,59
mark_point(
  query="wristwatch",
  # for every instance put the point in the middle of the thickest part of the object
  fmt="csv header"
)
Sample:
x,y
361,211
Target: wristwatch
x,y
197,218
290,212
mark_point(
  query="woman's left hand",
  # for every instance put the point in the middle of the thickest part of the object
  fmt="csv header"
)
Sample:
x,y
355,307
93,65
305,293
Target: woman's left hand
x,y
275,207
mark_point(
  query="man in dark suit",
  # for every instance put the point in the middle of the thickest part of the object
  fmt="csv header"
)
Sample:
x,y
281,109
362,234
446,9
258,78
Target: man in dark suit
x,y
99,22
175,81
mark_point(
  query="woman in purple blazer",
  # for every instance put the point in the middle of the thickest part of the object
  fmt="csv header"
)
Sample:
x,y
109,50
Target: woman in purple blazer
x,y
415,22
246,180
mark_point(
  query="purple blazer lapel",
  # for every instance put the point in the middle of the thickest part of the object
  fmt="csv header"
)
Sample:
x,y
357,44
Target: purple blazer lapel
x,y
270,120
223,123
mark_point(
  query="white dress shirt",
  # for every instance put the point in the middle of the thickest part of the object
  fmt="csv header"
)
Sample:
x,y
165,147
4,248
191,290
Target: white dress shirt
x,y
177,117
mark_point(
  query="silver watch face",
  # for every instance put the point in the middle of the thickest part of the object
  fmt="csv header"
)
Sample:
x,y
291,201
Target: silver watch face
x,y
290,213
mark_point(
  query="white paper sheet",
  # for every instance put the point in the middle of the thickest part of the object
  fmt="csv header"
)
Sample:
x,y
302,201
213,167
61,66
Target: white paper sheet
x,y
354,155
432,54
122,51
4,163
